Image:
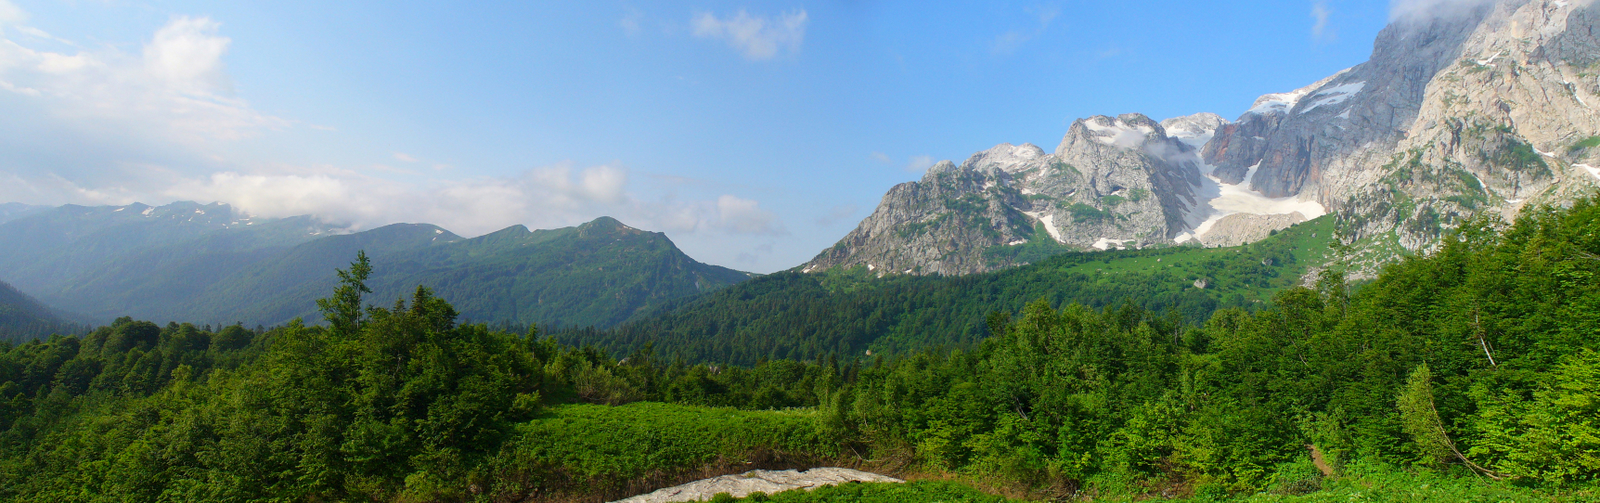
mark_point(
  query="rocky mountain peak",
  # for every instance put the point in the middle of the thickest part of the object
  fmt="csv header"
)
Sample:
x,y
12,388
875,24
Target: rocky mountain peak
x,y
1126,131
1005,156
1194,130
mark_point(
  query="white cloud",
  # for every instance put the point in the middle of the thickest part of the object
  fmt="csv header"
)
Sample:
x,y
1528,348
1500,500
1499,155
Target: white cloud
x,y
1319,15
920,164
187,55
175,91
756,37
11,14
745,216
403,157
1424,9
881,157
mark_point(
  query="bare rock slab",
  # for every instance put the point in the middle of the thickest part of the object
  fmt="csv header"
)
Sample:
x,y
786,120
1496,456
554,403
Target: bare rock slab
x,y
766,481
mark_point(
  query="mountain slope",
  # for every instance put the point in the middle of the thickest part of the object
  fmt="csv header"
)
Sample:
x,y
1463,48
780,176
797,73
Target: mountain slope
x,y
599,273
1112,182
1460,112
109,261
847,312
23,318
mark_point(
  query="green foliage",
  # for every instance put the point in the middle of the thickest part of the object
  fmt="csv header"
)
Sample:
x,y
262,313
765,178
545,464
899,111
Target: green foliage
x,y
1481,358
1420,419
1585,144
844,313
1084,213
22,318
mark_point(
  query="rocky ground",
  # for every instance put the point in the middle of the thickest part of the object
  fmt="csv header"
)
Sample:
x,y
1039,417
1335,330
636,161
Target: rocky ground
x,y
765,481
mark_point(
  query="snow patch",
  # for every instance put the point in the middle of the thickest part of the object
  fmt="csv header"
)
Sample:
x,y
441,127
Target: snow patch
x,y
1551,155
1490,61
1334,95
437,231
1116,133
1106,243
1345,115
147,211
871,267
1591,169
1049,224
1017,242
1226,199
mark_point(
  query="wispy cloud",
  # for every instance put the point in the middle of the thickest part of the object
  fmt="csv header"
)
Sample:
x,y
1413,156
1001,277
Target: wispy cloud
x,y
403,157
1007,43
175,90
630,22
837,213
917,164
758,38
10,14
920,163
1319,26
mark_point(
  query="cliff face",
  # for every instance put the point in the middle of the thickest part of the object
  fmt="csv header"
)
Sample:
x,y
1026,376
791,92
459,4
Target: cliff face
x,y
1460,112
1457,113
1113,181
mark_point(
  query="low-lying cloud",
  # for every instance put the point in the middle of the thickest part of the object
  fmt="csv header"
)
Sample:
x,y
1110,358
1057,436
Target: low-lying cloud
x,y
161,123
1417,10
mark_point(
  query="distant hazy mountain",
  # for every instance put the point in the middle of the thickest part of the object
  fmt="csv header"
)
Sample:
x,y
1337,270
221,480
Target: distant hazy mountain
x,y
22,317
110,261
212,264
12,211
600,273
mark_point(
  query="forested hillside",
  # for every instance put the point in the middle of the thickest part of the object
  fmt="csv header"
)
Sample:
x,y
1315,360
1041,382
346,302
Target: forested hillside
x,y
596,274
846,313
1471,374
23,318
213,264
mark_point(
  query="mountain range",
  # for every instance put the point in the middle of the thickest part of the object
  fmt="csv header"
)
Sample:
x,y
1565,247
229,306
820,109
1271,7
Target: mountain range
x,y
212,263
1482,111
1475,111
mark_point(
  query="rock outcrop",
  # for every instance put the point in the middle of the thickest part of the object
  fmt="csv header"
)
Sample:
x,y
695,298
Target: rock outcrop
x,y
1470,108
1113,181
765,481
1459,112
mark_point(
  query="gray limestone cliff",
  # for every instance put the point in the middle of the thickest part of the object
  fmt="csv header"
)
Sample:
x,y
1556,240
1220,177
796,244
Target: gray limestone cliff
x,y
1458,113
1113,181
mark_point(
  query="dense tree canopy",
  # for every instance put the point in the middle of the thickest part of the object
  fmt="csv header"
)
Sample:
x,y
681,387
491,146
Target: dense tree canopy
x,y
1479,362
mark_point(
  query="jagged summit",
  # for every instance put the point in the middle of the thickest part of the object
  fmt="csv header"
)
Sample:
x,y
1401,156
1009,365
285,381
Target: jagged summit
x,y
1484,109
1112,182
1458,112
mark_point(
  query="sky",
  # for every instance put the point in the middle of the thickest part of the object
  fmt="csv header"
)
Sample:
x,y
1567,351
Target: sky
x,y
753,133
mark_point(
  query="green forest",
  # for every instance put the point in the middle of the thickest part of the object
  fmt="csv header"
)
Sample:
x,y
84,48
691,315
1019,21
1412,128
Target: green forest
x,y
1469,374
790,315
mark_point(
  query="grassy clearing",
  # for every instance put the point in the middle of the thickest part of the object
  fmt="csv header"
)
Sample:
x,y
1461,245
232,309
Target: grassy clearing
x,y
1299,247
617,451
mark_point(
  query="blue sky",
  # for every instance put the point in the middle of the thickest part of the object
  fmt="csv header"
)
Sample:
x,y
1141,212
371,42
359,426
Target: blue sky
x,y
753,133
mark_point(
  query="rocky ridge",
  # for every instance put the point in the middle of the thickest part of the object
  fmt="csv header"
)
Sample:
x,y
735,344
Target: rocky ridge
x,y
1112,182
1485,108
1458,113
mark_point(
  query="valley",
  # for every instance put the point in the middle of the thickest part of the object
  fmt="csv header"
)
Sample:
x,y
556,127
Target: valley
x,y
1381,286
